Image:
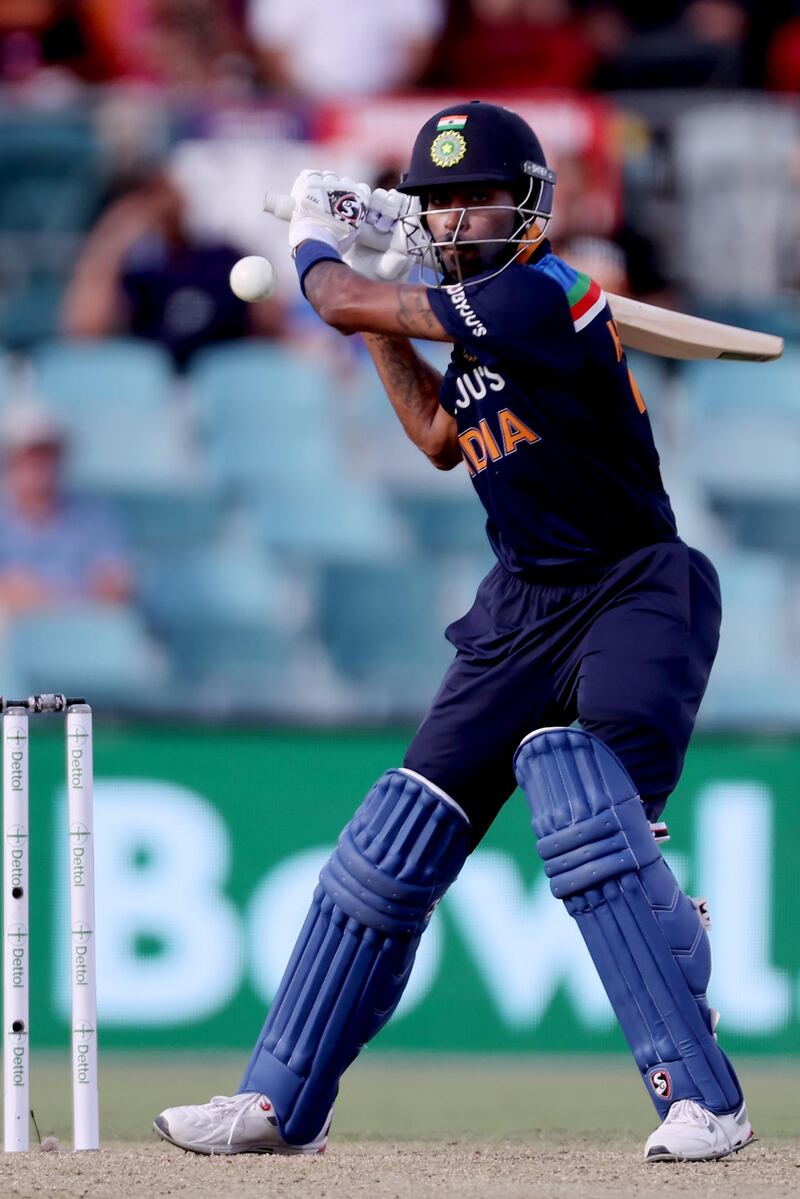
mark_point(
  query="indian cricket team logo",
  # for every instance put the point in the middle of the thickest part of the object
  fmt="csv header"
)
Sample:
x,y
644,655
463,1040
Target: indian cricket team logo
x,y
448,148
661,1083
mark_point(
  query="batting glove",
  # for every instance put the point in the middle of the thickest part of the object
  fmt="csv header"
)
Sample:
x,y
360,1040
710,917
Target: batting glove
x,y
327,208
382,247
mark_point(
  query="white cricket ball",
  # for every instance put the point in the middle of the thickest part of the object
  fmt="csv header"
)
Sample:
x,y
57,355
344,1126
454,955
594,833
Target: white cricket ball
x,y
253,278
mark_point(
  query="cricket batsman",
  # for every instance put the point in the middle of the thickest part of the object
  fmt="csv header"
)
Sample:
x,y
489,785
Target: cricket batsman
x,y
578,670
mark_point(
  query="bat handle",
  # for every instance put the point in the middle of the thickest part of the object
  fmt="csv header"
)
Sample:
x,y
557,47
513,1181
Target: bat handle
x,y
280,206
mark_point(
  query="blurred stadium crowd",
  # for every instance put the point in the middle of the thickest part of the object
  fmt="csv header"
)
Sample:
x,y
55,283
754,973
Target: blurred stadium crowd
x,y
236,47
208,506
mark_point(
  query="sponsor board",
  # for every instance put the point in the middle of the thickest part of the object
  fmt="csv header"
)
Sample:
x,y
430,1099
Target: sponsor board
x,y
209,841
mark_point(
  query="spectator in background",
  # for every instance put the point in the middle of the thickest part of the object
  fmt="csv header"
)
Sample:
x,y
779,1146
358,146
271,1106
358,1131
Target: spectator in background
x,y
143,273
322,49
43,51
694,43
53,548
502,44
187,44
194,45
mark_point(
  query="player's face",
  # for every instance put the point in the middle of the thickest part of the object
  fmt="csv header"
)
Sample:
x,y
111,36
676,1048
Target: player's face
x,y
476,220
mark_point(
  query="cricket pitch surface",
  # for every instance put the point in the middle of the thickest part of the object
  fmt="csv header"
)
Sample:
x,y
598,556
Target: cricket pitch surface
x,y
516,1128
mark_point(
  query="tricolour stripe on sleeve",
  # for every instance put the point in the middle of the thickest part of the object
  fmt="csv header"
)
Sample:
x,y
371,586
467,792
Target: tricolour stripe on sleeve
x,y
590,313
586,300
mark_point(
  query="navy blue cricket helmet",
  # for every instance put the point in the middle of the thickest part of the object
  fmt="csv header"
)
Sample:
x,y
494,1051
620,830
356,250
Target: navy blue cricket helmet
x,y
478,142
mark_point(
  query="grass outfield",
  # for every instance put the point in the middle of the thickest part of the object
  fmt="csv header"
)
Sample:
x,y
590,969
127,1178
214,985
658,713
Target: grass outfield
x,y
418,1098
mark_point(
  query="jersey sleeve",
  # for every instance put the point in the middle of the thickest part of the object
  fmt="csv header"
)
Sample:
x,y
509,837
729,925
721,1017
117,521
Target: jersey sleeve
x,y
521,313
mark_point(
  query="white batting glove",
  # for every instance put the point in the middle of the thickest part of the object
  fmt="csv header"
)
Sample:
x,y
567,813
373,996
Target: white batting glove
x,y
381,249
363,260
382,213
327,208
396,261
391,265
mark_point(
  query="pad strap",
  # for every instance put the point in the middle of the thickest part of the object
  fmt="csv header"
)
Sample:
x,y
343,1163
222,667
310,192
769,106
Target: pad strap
x,y
645,937
376,893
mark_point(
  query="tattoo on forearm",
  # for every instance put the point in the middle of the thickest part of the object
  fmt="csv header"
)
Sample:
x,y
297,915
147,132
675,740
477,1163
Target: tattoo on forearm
x,y
408,378
414,313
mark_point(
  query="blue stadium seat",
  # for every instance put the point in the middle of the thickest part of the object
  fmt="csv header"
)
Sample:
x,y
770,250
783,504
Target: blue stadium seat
x,y
265,413
100,651
51,172
116,399
259,380
769,524
343,520
173,520
755,676
383,626
442,523
85,379
743,427
51,179
29,313
126,454
227,615
224,583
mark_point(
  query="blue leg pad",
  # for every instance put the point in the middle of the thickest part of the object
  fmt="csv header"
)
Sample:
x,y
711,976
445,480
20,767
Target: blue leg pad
x,y
645,936
394,861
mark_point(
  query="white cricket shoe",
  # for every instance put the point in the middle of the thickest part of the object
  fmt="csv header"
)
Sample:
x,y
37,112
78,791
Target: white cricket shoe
x,y
691,1133
243,1123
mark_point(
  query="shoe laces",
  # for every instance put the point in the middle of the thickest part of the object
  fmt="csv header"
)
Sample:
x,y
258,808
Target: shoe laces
x,y
231,1101
237,1104
689,1112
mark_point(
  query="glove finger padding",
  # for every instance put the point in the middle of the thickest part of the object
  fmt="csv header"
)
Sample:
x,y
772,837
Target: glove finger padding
x,y
395,264
384,209
387,262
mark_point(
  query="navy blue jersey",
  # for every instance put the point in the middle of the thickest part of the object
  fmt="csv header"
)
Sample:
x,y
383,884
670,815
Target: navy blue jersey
x,y
552,427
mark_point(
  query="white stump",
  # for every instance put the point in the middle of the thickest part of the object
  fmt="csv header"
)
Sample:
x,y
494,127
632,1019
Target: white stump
x,y
16,947
85,1101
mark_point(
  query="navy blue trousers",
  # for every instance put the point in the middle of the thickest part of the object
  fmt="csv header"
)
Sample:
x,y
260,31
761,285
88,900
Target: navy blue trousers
x,y
628,656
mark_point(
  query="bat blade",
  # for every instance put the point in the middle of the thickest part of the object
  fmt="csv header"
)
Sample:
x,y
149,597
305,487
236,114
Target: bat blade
x,y
678,335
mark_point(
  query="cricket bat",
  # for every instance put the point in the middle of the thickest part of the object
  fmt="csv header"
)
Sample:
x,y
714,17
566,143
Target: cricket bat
x,y
645,327
678,335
